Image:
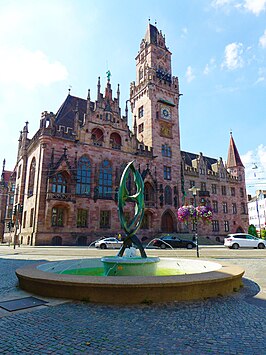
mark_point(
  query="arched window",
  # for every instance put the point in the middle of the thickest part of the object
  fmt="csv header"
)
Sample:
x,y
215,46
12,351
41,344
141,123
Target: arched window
x,y
105,180
59,184
148,194
97,136
83,186
168,195
115,141
31,177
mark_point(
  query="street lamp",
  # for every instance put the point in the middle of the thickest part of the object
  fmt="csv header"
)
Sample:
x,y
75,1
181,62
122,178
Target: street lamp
x,y
257,207
194,190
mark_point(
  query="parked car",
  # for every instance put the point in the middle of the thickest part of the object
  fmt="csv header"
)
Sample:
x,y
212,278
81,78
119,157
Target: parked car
x,y
242,240
109,243
168,241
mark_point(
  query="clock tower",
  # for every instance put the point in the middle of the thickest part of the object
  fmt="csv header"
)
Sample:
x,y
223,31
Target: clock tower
x,y
154,98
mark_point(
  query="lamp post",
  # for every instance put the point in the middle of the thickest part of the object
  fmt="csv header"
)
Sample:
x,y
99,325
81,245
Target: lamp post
x,y
194,190
257,207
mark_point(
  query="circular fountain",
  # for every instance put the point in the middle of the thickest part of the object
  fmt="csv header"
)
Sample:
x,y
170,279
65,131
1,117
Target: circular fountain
x,y
128,279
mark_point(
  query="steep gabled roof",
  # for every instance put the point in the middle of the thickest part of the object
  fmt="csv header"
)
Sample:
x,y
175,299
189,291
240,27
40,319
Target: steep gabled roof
x,y
233,158
188,157
151,34
66,114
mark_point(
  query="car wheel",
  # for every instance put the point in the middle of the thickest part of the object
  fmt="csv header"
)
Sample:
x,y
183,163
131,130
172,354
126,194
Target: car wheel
x,y
189,246
235,246
261,246
163,246
103,246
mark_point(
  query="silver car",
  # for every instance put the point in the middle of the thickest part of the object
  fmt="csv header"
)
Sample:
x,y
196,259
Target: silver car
x,y
109,243
242,240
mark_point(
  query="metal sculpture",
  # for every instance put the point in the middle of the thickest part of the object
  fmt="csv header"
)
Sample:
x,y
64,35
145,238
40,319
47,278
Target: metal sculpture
x,y
132,226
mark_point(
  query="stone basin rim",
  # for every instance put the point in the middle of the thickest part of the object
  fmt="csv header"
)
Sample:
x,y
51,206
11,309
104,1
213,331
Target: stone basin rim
x,y
33,273
131,289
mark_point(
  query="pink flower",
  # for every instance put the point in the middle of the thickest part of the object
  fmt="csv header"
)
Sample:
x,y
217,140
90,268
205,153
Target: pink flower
x,y
187,213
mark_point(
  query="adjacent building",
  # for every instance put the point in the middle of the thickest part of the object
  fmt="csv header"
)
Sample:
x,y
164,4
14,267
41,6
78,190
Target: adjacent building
x,y
68,173
257,210
5,199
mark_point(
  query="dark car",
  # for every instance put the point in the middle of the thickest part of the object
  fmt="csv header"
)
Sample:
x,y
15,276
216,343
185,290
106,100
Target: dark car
x,y
168,241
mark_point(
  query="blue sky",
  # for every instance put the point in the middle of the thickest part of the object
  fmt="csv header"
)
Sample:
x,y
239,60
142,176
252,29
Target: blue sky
x,y
218,52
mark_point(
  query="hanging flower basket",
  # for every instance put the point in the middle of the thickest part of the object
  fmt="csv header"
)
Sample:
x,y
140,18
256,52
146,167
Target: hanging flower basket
x,y
204,213
188,213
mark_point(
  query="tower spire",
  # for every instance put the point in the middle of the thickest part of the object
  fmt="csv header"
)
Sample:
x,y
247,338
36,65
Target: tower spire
x,y
233,158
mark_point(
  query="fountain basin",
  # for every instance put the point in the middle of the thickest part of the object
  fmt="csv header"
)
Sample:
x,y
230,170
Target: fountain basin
x,y
200,279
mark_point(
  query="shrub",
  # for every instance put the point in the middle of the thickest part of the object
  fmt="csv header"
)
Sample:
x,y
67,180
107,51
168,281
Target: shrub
x,y
252,230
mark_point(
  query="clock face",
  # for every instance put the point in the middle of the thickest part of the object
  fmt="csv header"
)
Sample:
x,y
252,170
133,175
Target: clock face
x,y
165,113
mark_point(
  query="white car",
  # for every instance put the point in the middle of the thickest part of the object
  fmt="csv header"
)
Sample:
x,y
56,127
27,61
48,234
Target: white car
x,y
242,240
109,243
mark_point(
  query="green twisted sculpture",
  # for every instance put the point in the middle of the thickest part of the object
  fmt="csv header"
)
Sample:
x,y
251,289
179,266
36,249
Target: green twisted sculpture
x,y
131,227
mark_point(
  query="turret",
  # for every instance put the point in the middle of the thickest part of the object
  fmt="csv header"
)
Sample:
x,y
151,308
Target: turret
x,y
88,101
99,90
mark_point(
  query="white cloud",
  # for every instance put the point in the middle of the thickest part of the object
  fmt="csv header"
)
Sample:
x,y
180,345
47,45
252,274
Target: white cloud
x,y
261,75
260,79
189,74
209,66
262,40
255,6
206,70
255,169
29,68
233,56
219,3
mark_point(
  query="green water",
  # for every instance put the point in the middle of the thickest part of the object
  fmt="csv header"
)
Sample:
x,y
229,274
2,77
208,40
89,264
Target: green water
x,y
99,271
90,271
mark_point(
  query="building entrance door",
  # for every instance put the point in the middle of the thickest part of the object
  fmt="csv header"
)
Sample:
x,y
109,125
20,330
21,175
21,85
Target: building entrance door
x,y
167,223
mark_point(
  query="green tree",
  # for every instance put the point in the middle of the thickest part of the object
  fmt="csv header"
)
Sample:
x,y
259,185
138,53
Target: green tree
x,y
252,230
263,233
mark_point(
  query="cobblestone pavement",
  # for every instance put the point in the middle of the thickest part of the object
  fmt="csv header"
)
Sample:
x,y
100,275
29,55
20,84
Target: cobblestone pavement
x,y
225,325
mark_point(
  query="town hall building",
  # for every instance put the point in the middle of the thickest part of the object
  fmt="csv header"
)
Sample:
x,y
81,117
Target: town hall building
x,y
67,175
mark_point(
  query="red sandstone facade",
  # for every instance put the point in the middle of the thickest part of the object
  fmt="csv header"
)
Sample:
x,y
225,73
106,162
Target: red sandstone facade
x,y
68,174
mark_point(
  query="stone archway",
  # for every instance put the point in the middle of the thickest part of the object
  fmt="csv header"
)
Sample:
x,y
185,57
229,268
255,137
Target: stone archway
x,y
168,224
